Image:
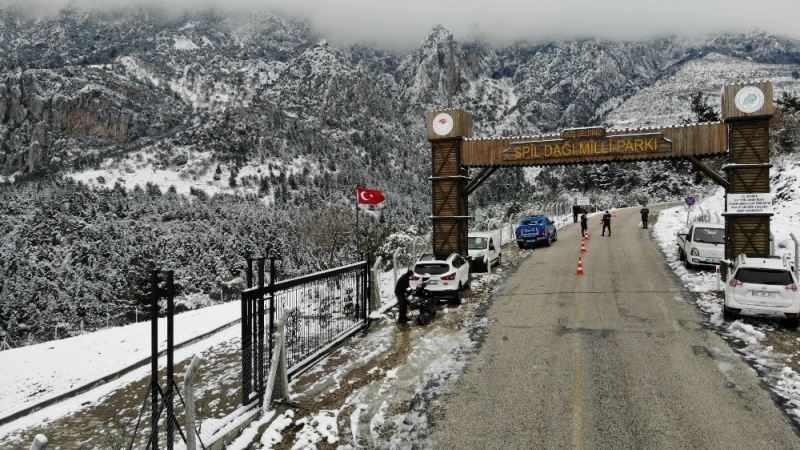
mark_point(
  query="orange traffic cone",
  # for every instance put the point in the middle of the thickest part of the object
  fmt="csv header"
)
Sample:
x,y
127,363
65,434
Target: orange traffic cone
x,y
580,267
583,247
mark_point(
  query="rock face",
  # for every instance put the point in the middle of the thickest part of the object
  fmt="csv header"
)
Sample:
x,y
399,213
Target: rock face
x,y
79,86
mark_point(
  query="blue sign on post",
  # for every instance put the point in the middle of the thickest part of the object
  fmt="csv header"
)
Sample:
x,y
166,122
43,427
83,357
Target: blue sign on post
x,y
689,200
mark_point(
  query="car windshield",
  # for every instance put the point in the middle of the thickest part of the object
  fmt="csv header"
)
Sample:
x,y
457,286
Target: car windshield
x,y
532,222
432,269
478,243
709,235
764,276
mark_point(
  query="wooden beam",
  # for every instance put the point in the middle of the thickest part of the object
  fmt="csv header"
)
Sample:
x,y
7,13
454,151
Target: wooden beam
x,y
709,172
484,174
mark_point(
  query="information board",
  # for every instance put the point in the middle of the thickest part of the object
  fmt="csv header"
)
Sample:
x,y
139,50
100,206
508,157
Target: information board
x,y
749,203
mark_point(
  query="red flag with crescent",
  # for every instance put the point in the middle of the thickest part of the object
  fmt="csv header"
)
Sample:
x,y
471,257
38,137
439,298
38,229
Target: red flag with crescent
x,y
369,196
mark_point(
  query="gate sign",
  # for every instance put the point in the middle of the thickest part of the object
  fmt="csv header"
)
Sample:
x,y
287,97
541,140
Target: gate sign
x,y
689,200
749,203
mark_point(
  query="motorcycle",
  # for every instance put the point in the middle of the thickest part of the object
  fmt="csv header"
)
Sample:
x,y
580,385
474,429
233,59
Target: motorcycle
x,y
422,300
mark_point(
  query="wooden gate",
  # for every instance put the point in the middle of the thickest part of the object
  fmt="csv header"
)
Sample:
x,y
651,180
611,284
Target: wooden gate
x,y
743,135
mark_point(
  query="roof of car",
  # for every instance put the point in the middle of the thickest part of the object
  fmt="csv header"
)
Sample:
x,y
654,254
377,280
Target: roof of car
x,y
485,234
708,225
769,262
430,258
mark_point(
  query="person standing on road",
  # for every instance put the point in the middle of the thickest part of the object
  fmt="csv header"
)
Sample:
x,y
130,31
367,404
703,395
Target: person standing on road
x,y
645,216
584,224
606,223
401,291
575,210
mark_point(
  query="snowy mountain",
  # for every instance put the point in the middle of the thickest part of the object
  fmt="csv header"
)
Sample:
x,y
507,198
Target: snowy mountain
x,y
261,107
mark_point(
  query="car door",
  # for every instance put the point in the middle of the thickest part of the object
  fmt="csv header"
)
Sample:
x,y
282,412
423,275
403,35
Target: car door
x,y
463,270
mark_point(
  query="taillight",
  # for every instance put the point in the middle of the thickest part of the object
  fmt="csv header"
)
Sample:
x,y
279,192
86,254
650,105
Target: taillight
x,y
414,278
450,277
791,287
734,282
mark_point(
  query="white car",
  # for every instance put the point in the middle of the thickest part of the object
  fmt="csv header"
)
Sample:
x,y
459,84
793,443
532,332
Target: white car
x,y
447,277
702,245
763,287
484,247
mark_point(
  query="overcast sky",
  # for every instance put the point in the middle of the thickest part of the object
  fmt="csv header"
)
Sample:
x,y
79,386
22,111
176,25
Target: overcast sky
x,y
402,24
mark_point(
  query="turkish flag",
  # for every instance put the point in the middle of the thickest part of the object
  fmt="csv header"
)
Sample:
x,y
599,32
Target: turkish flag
x,y
369,196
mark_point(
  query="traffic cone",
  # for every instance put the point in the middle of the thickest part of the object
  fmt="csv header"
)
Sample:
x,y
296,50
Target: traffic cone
x,y
583,247
579,272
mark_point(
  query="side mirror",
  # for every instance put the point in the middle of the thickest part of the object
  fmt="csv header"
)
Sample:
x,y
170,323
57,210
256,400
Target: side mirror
x,y
491,247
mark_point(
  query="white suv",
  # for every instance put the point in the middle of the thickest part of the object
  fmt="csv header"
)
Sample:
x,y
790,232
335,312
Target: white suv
x,y
765,287
448,276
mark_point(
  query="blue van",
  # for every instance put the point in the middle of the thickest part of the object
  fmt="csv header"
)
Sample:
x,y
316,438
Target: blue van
x,y
536,229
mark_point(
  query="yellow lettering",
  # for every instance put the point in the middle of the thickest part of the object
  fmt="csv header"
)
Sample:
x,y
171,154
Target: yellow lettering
x,y
536,153
548,151
557,150
638,144
585,148
518,153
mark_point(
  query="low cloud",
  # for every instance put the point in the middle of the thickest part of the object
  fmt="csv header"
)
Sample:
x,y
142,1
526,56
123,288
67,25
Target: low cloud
x,y
403,24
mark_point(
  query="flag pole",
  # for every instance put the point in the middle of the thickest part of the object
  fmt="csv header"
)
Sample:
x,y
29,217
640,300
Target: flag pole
x,y
358,234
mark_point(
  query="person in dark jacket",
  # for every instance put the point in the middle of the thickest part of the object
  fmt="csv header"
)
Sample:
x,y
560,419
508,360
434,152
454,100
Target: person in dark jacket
x,y
584,224
645,216
575,211
606,223
400,290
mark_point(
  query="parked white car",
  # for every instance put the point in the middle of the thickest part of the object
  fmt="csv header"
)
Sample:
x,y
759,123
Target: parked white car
x,y
702,245
763,287
447,277
484,247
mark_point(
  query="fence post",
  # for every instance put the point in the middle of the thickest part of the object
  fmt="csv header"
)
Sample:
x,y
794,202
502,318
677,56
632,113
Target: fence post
x,y
375,291
188,396
488,262
796,255
39,442
394,265
154,296
278,381
261,342
170,359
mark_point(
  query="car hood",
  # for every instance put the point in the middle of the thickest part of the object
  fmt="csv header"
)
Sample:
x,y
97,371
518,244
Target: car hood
x,y
476,253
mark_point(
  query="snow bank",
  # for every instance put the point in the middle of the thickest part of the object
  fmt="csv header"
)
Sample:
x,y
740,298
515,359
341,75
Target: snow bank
x,y
49,369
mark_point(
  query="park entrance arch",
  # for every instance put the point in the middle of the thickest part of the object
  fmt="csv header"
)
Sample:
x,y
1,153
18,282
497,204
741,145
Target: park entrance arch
x,y
742,135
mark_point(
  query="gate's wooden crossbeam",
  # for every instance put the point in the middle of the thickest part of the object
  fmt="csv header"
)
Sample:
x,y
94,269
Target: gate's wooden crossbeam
x,y
706,139
484,174
709,172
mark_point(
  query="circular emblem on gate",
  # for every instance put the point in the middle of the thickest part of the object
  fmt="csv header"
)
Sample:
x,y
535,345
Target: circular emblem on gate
x,y
442,124
749,99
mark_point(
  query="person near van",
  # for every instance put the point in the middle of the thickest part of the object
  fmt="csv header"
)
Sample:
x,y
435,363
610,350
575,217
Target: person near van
x,y
401,291
606,223
575,211
584,224
645,212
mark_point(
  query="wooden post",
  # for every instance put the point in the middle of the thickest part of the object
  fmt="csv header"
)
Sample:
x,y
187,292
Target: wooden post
x,y
188,396
446,130
747,110
39,442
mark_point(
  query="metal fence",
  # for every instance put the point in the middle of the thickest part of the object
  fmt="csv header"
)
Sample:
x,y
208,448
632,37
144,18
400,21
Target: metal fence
x,y
321,311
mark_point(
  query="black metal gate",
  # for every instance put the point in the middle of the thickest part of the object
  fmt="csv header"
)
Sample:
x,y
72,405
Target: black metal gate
x,y
321,310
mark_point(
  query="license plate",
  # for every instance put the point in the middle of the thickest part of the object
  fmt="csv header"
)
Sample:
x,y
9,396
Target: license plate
x,y
433,283
762,294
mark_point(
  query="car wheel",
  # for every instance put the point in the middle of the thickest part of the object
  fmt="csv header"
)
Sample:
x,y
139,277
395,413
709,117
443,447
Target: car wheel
x,y
499,259
549,241
555,236
688,264
520,245
727,314
792,323
681,255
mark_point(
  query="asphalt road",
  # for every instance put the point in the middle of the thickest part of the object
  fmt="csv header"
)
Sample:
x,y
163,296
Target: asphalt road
x,y
614,359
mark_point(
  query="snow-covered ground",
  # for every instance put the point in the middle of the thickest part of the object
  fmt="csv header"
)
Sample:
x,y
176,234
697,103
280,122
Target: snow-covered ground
x,y
42,371
772,350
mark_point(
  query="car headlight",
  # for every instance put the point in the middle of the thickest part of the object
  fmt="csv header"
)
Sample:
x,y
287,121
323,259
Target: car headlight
x,y
695,252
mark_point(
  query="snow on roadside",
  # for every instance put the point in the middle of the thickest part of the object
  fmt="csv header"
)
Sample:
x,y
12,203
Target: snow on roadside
x,y
51,368
750,338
